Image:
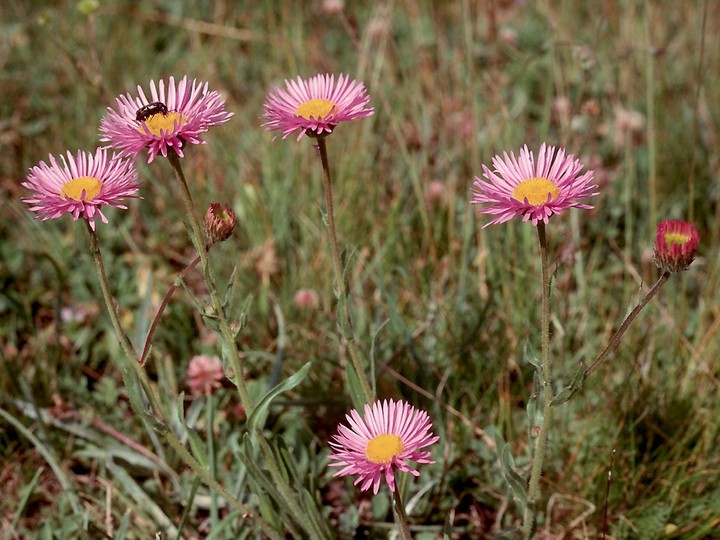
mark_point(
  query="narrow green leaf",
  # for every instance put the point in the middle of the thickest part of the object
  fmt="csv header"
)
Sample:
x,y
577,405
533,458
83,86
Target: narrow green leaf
x,y
530,357
196,443
27,492
227,296
514,480
569,391
354,388
257,418
141,497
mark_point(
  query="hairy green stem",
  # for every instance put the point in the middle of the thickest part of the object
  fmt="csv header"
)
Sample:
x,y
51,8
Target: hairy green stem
x,y
163,305
541,442
115,319
212,458
339,278
154,400
225,331
401,515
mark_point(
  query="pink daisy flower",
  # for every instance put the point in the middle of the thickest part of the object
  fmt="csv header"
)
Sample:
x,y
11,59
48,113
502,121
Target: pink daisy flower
x,y
373,447
675,245
169,119
204,374
315,106
80,185
535,191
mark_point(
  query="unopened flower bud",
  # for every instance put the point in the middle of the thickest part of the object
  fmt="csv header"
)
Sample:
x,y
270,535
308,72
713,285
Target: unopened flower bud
x,y
675,245
219,223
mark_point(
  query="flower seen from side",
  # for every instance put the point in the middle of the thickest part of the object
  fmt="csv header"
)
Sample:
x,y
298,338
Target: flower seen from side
x,y
534,190
204,374
316,105
373,447
172,116
675,245
219,223
80,185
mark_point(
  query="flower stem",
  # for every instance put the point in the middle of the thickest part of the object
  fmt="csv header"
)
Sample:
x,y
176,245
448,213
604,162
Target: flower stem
x,y
617,336
541,442
186,457
110,305
212,458
339,278
163,305
400,513
225,331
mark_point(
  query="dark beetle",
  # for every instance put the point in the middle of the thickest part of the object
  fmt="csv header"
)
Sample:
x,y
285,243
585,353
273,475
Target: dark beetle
x,y
146,111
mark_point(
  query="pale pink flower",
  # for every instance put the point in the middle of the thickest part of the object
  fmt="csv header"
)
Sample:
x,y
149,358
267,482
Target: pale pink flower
x,y
204,374
315,106
306,299
535,191
435,193
80,185
675,245
168,120
374,447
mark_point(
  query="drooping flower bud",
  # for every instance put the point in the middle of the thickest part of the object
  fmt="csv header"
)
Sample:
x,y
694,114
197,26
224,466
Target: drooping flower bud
x,y
675,245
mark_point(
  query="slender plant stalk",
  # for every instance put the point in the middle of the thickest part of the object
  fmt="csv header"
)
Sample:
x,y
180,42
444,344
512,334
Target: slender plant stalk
x,y
212,458
174,442
541,442
163,305
117,326
339,278
617,336
400,513
229,339
225,331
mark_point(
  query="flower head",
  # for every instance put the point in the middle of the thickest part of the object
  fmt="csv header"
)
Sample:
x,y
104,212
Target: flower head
x,y
373,447
80,185
204,373
169,119
535,191
306,299
219,223
316,105
675,245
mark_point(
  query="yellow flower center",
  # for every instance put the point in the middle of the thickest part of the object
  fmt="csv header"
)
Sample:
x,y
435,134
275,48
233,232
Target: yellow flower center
x,y
313,109
676,238
163,123
75,187
535,190
382,448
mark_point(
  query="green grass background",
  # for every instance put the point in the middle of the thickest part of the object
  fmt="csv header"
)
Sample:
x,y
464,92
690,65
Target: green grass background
x,y
448,311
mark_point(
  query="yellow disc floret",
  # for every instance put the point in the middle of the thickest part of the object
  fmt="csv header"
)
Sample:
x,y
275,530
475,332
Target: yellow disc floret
x,y
536,191
75,187
314,109
163,123
383,448
676,238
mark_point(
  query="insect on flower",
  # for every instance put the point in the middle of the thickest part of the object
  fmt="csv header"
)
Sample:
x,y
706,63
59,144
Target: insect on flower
x,y
151,109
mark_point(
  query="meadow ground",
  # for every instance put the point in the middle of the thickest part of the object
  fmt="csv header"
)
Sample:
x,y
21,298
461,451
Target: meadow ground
x,y
446,314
